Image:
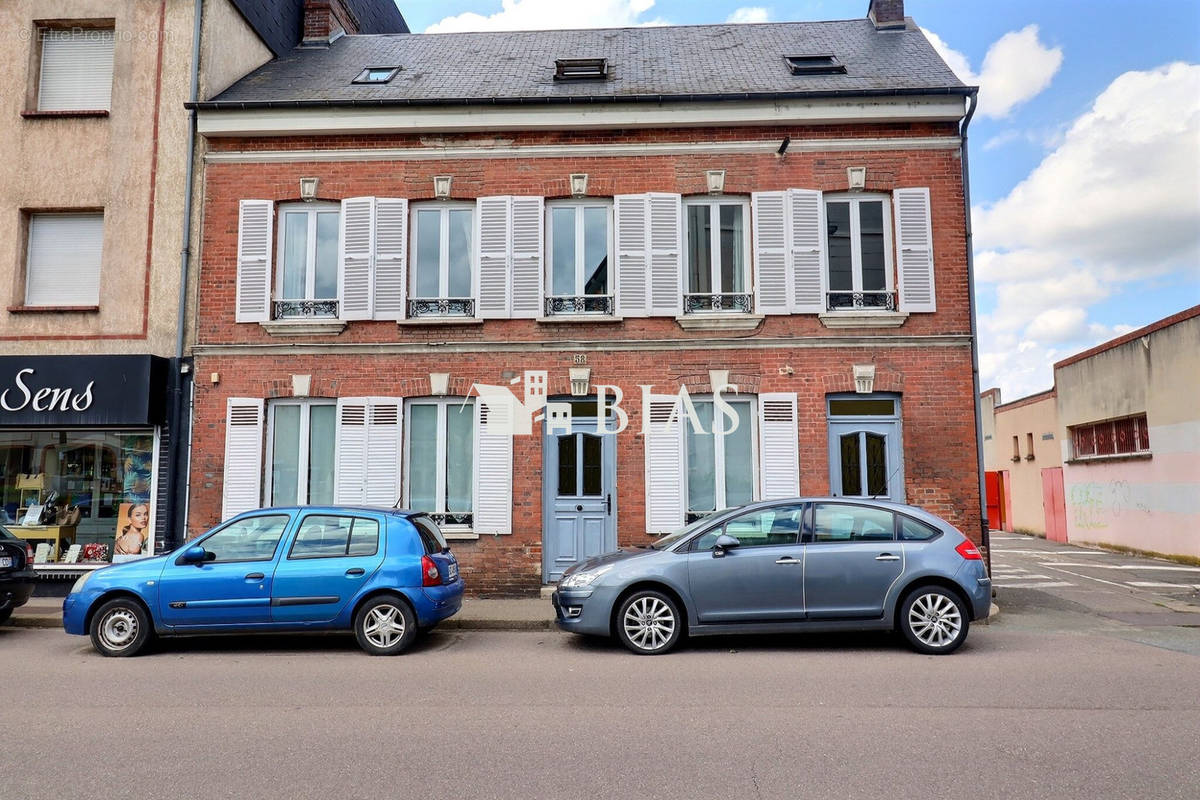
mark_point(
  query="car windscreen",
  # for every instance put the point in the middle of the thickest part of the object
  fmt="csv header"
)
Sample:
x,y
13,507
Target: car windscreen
x,y
5,533
669,539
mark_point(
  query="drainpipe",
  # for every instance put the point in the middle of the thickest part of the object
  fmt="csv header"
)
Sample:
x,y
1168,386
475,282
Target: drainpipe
x,y
180,418
985,536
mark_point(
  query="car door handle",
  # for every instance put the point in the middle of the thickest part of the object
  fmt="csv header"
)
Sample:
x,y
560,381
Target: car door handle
x,y
887,557
787,560
356,571
255,576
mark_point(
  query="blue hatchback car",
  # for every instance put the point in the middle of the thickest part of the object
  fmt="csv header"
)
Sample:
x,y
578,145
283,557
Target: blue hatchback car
x,y
384,573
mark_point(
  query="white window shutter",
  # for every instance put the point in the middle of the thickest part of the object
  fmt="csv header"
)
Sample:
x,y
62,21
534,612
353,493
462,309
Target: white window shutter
x,y
382,466
77,70
632,221
241,489
773,279
356,250
350,447
664,465
493,466
255,224
914,248
391,257
806,213
666,254
495,233
528,219
778,446
64,259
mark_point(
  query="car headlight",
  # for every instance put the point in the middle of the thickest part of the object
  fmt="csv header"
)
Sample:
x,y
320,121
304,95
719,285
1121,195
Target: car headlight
x,y
80,581
583,578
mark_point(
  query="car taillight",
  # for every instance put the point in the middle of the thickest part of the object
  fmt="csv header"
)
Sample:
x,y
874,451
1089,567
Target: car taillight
x,y
28,555
969,551
429,572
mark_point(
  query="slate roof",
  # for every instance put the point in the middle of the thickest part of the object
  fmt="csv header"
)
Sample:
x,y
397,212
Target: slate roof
x,y
648,63
280,23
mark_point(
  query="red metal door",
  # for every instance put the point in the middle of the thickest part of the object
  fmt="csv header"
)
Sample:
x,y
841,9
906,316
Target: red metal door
x,y
1054,504
992,487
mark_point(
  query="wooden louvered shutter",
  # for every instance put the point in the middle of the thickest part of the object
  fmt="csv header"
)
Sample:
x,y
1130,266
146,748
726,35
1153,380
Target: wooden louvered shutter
x,y
632,220
391,257
356,244
773,278
382,465
778,446
494,215
528,221
241,489
914,248
493,466
664,464
806,216
350,449
666,255
253,303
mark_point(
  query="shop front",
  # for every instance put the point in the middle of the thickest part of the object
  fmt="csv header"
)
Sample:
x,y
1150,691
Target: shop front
x,y
82,445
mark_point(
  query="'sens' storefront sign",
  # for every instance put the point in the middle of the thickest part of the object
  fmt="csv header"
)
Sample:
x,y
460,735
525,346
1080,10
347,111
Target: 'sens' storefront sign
x,y
82,390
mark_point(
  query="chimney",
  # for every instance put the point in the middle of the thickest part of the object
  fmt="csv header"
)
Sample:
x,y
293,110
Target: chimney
x,y
325,21
888,15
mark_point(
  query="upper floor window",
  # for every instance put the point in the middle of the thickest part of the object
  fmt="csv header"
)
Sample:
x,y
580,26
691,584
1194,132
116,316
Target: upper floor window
x,y
441,459
1126,436
717,242
579,239
860,252
63,259
306,274
720,460
441,277
76,70
300,452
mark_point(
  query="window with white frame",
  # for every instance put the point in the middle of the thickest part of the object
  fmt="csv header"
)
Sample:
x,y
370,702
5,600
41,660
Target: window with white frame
x,y
301,437
860,252
306,270
717,241
720,460
441,278
63,259
76,71
440,459
580,248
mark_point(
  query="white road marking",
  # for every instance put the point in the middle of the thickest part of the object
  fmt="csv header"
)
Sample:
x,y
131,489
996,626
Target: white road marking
x,y
1154,585
1055,552
1118,566
1038,585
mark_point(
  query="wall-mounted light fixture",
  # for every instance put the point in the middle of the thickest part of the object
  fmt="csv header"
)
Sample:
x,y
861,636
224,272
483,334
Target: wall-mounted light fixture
x,y
856,177
580,378
716,180
579,184
864,378
441,187
308,189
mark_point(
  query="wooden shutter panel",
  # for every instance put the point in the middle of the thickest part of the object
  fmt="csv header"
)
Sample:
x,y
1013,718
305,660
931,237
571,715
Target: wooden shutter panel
x,y
495,231
77,70
528,220
350,449
356,244
664,465
255,225
391,258
773,278
631,216
241,489
493,466
778,446
383,453
806,214
914,248
666,254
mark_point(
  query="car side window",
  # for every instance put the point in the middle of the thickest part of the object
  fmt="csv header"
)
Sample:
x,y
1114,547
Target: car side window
x,y
250,539
913,531
328,536
845,523
762,528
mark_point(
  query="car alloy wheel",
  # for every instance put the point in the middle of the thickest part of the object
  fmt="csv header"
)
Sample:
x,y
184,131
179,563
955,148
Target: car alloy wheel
x,y
649,623
385,626
120,627
934,620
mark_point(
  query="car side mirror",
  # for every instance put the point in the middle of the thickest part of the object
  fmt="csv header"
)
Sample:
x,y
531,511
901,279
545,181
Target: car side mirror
x,y
197,555
723,543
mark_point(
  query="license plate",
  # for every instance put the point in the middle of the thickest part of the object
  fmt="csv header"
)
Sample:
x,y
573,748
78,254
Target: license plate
x,y
5,561
452,573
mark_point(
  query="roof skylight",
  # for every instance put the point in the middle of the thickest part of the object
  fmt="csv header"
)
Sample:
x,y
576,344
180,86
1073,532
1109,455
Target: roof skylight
x,y
566,69
376,75
823,64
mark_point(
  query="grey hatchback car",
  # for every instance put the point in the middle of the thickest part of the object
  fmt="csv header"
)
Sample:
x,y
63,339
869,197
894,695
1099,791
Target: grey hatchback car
x,y
785,566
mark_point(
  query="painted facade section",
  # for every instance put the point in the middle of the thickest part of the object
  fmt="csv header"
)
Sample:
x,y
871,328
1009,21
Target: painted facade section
x,y
1016,426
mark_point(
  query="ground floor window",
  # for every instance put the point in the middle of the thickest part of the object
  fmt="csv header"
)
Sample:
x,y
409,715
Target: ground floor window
x,y
440,459
300,452
720,460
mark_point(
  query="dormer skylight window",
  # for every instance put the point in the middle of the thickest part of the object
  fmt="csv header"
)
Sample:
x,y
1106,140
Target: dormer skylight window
x,y
376,75
815,65
571,69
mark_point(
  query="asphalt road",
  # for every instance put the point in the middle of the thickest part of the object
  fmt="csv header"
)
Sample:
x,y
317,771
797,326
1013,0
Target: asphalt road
x,y
1053,700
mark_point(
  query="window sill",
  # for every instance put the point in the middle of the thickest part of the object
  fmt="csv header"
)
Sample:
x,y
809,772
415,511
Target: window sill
x,y
459,535
98,112
863,319
440,321
579,319
304,327
1109,459
54,309
718,321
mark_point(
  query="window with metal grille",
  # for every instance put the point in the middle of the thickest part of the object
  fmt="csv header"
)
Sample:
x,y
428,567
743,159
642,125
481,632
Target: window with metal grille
x,y
1115,437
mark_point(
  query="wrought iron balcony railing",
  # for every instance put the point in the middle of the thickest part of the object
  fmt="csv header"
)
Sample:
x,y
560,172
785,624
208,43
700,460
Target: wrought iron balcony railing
x,y
442,307
465,518
581,304
739,303
304,309
858,301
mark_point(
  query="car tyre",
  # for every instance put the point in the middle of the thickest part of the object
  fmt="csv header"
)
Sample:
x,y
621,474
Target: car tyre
x,y
649,623
120,628
385,626
934,620
4,615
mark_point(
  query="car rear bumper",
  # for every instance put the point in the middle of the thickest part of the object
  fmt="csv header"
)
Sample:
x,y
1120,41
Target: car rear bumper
x,y
441,602
16,589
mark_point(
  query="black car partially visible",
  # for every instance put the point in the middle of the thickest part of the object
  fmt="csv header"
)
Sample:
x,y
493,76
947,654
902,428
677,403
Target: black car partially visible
x,y
17,576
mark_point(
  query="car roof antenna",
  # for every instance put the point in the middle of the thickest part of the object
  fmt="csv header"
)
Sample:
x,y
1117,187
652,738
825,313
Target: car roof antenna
x,y
889,483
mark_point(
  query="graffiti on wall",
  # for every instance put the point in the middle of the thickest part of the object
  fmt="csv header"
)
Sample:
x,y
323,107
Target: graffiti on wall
x,y
1093,505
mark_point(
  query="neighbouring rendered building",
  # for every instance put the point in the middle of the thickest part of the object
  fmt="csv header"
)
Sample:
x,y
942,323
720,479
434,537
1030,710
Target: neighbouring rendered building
x,y
1023,458
432,263
94,165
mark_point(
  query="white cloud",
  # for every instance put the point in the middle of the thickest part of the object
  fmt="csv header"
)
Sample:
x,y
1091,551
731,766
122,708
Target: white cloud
x,y
750,14
1017,67
529,15
1117,201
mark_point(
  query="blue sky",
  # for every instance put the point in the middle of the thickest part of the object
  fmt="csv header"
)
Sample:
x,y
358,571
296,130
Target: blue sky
x,y
1085,153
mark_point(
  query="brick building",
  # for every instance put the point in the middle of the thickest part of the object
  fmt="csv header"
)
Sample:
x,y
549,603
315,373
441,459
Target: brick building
x,y
425,258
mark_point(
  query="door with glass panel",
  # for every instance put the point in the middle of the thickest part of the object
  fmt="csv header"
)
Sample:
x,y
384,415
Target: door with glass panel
x,y
865,447
440,460
721,463
306,279
718,239
578,281
300,452
579,484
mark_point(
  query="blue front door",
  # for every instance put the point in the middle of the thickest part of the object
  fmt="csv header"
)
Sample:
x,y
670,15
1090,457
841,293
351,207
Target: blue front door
x,y
327,563
865,447
578,479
